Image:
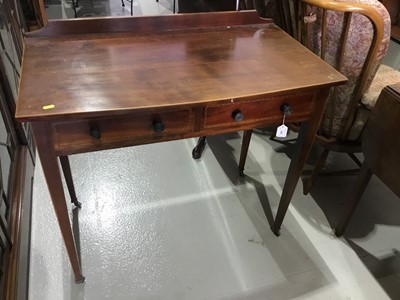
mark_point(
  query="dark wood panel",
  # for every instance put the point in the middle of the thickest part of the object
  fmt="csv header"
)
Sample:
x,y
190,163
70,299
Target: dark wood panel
x,y
146,24
393,7
256,110
384,160
137,128
17,265
16,168
191,6
114,130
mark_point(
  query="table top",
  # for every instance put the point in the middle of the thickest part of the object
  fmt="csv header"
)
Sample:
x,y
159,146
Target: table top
x,y
103,73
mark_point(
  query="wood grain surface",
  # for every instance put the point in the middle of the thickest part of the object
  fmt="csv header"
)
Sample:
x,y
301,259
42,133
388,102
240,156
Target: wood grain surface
x,y
82,74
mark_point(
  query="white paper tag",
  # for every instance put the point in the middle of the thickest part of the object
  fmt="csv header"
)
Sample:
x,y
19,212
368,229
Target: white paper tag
x,y
281,131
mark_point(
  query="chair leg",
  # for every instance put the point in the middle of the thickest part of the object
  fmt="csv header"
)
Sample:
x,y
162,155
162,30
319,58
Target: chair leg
x,y
131,7
66,168
198,150
74,6
123,4
243,151
273,136
308,184
354,199
355,159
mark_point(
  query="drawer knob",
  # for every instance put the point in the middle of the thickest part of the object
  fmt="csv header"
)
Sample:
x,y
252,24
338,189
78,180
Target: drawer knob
x,y
237,115
95,133
158,126
286,109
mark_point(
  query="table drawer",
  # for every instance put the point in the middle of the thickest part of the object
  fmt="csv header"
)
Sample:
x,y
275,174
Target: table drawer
x,y
106,130
258,110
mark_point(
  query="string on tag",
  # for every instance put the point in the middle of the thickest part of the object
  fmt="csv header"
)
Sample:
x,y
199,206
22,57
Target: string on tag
x,y
282,130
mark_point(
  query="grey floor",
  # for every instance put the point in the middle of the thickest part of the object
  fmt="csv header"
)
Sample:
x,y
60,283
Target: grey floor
x,y
156,224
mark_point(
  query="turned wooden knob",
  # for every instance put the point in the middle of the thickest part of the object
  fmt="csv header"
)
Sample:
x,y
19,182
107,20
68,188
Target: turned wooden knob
x,y
237,115
95,133
158,126
286,109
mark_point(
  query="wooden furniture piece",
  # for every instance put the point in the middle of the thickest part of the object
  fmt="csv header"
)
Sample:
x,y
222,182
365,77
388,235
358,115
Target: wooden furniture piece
x,y
191,6
393,7
17,157
381,151
96,84
358,59
353,37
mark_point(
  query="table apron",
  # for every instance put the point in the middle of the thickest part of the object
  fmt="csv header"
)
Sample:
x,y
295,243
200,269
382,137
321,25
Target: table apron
x,y
74,136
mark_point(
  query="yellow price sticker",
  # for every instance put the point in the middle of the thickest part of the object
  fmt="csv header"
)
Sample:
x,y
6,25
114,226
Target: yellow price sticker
x,y
50,106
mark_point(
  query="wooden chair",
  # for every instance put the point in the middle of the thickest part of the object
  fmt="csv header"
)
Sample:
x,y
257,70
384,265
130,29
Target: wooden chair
x,y
381,151
353,37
